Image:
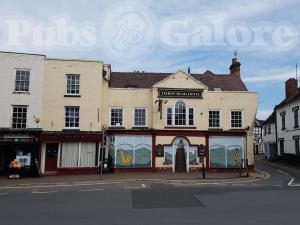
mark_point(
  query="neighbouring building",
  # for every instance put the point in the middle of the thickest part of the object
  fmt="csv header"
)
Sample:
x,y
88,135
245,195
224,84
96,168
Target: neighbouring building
x,y
72,106
287,120
269,136
166,121
21,91
257,137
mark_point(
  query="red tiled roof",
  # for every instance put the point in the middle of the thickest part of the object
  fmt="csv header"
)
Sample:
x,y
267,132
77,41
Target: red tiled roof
x,y
146,80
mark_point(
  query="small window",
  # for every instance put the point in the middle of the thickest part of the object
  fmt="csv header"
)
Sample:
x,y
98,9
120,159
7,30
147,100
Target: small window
x,y
22,80
140,117
214,118
72,117
296,117
282,121
19,117
236,119
116,117
297,150
191,116
169,116
73,84
269,129
217,89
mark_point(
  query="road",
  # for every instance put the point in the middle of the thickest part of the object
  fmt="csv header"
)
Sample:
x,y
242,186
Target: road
x,y
273,201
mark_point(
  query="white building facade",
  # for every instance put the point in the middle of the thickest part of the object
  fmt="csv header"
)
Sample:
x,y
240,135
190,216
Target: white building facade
x,y
21,91
269,137
287,119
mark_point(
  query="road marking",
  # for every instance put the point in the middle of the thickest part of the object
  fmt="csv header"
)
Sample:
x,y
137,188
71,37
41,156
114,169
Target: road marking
x,y
142,186
86,190
62,185
237,184
277,185
283,172
291,183
43,192
3,193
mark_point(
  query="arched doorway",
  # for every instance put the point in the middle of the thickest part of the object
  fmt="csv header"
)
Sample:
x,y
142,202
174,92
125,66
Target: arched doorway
x,y
181,151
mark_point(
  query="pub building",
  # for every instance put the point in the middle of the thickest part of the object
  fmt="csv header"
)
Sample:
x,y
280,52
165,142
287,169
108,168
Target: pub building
x,y
174,122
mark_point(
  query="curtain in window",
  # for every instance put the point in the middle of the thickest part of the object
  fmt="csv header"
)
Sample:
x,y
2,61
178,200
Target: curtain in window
x,y
87,154
69,154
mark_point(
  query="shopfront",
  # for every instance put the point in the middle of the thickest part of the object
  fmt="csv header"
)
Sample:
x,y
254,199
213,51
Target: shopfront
x,y
23,148
70,153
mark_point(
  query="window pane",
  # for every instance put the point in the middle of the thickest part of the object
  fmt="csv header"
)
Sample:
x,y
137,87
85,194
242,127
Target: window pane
x,y
22,80
236,119
19,117
73,83
116,117
72,116
180,113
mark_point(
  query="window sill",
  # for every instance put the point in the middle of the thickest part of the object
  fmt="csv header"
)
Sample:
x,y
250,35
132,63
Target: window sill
x,y
215,128
180,127
141,128
237,129
21,92
75,96
71,129
116,128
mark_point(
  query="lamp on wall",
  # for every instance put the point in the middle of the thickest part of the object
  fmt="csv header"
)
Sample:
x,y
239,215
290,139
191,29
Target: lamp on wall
x,y
37,120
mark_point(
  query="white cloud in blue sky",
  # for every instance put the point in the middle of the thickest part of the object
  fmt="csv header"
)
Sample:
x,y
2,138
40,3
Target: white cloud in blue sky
x,y
263,69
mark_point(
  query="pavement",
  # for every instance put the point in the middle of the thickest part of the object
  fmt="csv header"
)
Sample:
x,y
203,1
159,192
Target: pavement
x,y
129,177
271,200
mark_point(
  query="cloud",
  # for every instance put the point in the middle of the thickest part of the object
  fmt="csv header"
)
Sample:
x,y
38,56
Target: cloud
x,y
272,75
263,114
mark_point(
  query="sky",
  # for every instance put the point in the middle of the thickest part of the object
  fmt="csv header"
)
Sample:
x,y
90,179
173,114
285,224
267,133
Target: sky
x,y
164,36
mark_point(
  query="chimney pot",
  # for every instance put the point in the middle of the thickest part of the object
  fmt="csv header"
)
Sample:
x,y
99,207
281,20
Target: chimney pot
x,y
235,68
291,87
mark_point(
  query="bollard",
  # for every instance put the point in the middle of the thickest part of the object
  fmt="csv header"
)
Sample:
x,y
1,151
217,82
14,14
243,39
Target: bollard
x,y
203,170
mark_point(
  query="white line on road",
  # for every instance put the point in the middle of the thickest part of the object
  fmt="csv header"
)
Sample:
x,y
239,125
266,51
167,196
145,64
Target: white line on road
x,y
86,190
43,192
283,172
142,186
291,183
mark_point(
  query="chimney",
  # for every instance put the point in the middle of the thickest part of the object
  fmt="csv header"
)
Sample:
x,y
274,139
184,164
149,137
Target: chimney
x,y
235,68
291,87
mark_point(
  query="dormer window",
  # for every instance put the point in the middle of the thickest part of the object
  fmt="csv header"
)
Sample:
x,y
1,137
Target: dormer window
x,y
217,89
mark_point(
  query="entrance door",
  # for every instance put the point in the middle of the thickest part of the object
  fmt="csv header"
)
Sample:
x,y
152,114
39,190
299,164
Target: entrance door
x,y
180,161
51,156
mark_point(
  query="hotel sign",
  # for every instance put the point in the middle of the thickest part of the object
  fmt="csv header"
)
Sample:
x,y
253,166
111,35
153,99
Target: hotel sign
x,y
179,93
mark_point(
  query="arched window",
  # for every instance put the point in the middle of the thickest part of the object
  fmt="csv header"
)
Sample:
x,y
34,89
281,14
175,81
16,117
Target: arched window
x,y
180,113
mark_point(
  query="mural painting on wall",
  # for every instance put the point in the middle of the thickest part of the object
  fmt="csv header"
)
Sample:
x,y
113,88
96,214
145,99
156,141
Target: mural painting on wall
x,y
226,152
131,151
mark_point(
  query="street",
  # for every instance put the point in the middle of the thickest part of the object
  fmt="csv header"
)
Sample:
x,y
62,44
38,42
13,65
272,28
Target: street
x,y
274,200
